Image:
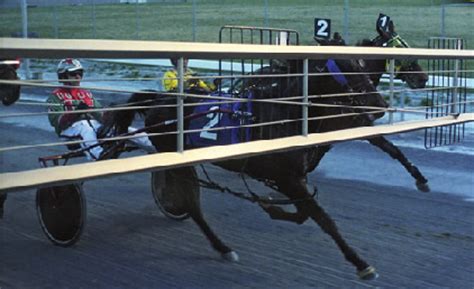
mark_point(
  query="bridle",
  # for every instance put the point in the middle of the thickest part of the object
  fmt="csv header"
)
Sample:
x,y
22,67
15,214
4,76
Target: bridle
x,y
353,99
395,42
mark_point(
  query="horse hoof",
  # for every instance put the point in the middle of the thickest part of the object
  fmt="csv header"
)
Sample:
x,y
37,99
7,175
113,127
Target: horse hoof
x,y
368,273
423,187
231,256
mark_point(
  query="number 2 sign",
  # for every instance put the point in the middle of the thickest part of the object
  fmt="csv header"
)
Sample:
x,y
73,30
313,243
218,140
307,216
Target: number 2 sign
x,y
322,28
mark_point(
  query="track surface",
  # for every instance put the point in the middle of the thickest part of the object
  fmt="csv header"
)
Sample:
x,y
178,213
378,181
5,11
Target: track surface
x,y
414,239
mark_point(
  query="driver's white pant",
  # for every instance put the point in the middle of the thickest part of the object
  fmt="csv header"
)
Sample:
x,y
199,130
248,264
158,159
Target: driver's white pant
x,y
87,131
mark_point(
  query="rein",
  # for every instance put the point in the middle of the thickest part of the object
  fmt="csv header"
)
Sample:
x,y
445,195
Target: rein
x,y
250,196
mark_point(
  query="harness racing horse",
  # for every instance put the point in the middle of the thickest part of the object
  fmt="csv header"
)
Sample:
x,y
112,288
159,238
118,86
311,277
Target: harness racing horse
x,y
405,71
8,95
285,171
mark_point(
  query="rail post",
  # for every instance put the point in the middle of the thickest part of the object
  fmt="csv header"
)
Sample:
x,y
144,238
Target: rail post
x,y
194,20
94,29
392,78
403,98
24,20
454,107
305,98
180,106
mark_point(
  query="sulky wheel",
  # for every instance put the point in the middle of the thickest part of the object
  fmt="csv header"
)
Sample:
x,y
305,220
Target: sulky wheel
x,y
173,188
62,213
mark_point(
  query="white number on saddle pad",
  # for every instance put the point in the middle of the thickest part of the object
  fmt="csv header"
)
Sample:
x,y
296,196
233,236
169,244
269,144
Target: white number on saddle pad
x,y
322,28
214,119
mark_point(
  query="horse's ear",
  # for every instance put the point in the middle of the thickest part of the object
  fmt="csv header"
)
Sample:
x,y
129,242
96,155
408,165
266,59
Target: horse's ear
x,y
391,27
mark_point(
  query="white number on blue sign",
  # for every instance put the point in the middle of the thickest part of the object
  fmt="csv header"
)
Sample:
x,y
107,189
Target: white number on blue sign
x,y
214,118
322,28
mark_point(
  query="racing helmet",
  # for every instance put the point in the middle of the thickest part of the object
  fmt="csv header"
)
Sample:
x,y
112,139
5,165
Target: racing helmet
x,y
67,66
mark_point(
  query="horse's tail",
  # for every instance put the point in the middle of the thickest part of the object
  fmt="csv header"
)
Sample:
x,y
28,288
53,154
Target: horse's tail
x,y
9,93
124,118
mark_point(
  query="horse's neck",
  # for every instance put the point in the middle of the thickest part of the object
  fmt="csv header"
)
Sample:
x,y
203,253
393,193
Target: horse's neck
x,y
376,67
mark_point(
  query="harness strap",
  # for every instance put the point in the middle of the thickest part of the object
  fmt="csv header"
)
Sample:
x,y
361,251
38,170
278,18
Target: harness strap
x,y
336,72
251,196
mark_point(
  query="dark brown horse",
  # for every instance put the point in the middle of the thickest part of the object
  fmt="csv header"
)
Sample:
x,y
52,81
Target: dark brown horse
x,y
286,171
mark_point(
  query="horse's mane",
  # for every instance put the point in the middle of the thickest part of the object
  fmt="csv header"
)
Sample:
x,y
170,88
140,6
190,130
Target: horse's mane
x,y
365,42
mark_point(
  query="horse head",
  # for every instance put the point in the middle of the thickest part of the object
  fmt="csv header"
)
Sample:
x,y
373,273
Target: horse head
x,y
407,70
8,93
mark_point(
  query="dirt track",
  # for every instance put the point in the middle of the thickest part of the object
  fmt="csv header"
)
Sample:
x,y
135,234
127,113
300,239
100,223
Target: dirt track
x,y
415,240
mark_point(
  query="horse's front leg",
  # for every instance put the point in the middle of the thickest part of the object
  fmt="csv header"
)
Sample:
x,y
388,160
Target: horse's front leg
x,y
3,198
396,153
295,188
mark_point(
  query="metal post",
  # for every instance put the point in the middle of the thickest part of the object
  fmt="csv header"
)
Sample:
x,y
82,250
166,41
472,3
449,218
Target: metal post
x,y
55,18
94,30
180,106
137,21
194,20
402,102
305,98
454,106
346,21
24,18
392,77
265,14
443,15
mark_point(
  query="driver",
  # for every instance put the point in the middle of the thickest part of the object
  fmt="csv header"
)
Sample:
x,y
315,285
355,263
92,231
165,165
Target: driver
x,y
170,79
80,125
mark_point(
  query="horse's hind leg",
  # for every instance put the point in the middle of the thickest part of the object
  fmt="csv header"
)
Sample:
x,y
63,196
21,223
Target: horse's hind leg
x,y
3,198
188,174
396,153
278,213
296,189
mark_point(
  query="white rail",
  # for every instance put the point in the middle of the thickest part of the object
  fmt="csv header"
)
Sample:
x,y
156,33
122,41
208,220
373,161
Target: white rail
x,y
58,48
80,172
